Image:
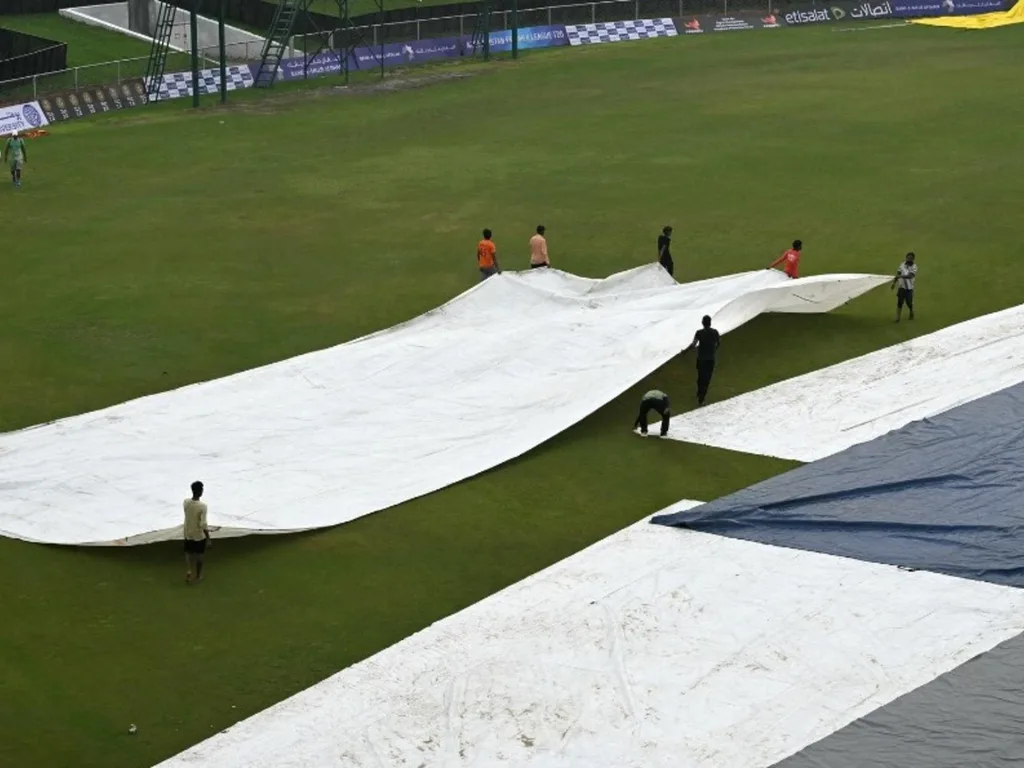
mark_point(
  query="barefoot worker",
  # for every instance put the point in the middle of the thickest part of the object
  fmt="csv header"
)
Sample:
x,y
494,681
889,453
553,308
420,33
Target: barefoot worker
x,y
197,534
539,250
905,277
655,400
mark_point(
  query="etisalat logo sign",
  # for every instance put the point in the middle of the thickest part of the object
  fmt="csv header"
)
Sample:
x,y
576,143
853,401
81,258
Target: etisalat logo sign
x,y
842,12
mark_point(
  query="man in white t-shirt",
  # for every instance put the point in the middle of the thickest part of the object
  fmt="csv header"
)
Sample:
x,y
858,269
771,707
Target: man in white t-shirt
x,y
197,534
905,277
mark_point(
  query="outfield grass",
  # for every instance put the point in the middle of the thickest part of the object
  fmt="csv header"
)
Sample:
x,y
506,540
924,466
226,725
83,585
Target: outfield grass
x,y
161,247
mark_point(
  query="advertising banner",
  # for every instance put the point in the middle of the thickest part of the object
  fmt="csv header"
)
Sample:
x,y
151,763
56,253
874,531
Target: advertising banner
x,y
179,84
412,52
835,12
619,31
68,105
802,16
21,117
394,54
914,9
529,37
696,25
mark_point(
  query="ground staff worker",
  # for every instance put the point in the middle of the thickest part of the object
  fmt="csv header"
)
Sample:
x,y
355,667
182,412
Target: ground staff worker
x,y
905,277
655,400
665,250
707,341
487,256
197,534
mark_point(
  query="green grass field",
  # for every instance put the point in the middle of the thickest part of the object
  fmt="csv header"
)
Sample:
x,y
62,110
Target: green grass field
x,y
160,247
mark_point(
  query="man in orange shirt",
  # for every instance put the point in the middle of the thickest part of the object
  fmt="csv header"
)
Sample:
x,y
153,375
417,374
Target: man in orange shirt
x,y
539,250
487,256
790,260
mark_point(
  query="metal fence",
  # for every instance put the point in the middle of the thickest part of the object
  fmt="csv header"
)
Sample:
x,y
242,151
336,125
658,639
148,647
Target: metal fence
x,y
575,13
32,87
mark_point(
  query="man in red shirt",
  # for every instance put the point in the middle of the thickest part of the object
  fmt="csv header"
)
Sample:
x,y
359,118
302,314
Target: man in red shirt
x,y
790,260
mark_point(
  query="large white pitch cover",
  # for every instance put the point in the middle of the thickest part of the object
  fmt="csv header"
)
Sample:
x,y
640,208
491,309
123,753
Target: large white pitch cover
x,y
655,648
829,410
330,436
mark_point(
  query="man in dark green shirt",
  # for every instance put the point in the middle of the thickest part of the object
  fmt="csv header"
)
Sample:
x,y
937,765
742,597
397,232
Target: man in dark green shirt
x,y
655,400
707,341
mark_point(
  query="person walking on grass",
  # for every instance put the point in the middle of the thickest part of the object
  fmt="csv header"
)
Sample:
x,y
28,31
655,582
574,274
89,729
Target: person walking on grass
x,y
905,277
539,250
487,256
706,340
655,400
15,155
197,534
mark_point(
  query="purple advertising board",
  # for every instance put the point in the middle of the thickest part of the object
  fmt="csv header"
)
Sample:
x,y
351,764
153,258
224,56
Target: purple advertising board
x,y
912,9
416,51
394,54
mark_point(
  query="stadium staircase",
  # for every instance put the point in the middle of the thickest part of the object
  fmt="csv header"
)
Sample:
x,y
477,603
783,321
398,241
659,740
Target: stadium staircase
x,y
157,63
277,41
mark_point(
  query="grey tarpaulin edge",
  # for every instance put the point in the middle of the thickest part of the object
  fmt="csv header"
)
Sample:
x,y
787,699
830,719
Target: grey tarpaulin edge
x,y
966,718
942,494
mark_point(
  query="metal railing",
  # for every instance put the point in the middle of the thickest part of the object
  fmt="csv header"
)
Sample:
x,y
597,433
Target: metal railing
x,y
573,13
106,73
32,87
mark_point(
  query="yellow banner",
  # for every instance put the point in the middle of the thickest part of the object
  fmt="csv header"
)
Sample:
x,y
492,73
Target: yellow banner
x,y
982,21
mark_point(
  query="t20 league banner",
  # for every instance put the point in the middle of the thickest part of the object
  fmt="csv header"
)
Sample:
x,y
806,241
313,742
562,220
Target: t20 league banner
x,y
529,37
915,9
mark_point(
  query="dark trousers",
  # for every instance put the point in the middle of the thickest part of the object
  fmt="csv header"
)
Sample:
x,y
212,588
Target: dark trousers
x,y
905,296
704,370
646,406
668,264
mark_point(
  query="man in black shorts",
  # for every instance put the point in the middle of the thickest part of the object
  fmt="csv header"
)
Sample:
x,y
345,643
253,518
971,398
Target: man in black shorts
x,y
197,534
707,341
906,275
655,400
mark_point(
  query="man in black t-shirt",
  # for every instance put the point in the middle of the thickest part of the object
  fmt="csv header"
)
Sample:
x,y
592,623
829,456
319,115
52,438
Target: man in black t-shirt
x,y
707,341
664,250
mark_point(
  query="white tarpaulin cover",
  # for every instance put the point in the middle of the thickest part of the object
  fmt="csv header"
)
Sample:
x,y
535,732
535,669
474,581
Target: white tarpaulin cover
x,y
827,411
654,648
330,436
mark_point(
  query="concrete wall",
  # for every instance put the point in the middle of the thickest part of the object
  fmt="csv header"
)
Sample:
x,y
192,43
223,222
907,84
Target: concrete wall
x,y
241,45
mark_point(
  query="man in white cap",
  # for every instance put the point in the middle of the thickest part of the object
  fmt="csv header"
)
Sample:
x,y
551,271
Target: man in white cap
x,y
16,156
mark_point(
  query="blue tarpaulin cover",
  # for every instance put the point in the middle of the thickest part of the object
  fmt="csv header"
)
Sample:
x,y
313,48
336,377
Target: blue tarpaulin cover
x,y
943,494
